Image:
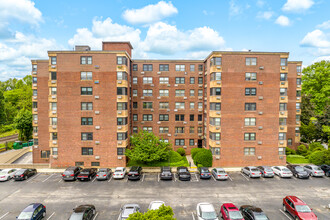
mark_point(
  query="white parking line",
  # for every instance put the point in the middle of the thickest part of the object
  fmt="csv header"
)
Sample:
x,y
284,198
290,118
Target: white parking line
x,y
174,177
4,215
60,180
50,216
95,216
196,178
245,177
48,178
193,215
230,178
33,177
143,177
213,178
284,214
110,179
158,176
93,179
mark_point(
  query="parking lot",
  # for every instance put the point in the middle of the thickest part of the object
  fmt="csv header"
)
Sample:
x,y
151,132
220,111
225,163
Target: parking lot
x,y
108,196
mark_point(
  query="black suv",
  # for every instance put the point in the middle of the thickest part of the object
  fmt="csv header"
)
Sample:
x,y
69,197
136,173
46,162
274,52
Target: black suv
x,y
23,174
87,174
183,173
83,212
298,171
71,173
166,173
204,173
135,173
251,212
326,169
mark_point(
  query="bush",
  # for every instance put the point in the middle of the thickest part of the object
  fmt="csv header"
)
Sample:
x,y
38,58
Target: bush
x,y
194,151
289,151
302,150
204,157
181,151
174,156
200,165
318,157
315,146
6,128
297,159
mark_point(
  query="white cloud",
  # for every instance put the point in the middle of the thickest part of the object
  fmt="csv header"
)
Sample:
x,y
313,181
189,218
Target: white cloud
x,y
283,20
316,38
234,9
260,3
324,25
265,15
321,58
297,6
150,13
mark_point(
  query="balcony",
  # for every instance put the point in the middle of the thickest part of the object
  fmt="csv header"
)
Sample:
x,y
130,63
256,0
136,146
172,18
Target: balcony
x,y
283,114
122,98
298,111
284,84
52,98
283,99
122,128
52,128
52,113
215,114
123,143
121,68
215,98
215,68
52,83
284,69
214,128
122,113
282,143
122,83
283,128
214,143
215,83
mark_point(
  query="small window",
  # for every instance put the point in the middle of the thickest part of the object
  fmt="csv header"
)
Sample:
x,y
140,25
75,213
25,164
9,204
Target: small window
x,y
135,80
179,130
86,91
215,106
121,105
200,130
135,105
86,75
78,164
179,80
180,67
147,67
147,105
148,129
121,151
298,69
45,154
135,130
163,117
163,80
179,117
53,121
282,121
121,76
53,60
290,141
282,136
216,61
283,91
179,92
191,117
86,151
215,91
147,92
200,67
163,67
147,117
191,130
86,60
135,117
53,106
54,151
87,106
34,67
163,105
215,150
35,141
251,61
191,142
250,91
179,142
250,76
249,151
284,61
192,105
163,92
35,92
200,117
215,76
298,81
34,79
86,121
215,121
283,77
250,121
122,121
53,76
121,90
200,80
53,90
95,164
135,67
121,136
163,130
34,104
87,136
121,60
281,151
192,92
179,105
192,67
147,80
250,106
192,80
249,136
215,136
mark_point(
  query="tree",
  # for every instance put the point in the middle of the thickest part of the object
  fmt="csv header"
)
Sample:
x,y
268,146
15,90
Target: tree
x,y
2,109
147,148
23,122
309,132
163,213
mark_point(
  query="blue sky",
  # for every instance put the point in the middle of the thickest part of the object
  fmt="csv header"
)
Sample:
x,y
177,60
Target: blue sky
x,y
162,29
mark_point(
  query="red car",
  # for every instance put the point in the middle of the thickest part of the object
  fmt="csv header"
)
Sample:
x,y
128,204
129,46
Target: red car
x,y
298,208
230,212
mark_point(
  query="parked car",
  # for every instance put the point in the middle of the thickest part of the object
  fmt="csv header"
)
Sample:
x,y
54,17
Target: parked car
x,y
204,173
282,171
71,173
266,171
219,174
314,170
87,174
166,173
253,213
103,174
119,173
128,209
155,205
7,174
135,173
251,171
24,174
297,208
34,211
206,211
83,212
326,169
298,171
229,211
183,173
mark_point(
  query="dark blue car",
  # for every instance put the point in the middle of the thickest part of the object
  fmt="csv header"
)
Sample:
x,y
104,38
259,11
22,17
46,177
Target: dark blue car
x,y
33,211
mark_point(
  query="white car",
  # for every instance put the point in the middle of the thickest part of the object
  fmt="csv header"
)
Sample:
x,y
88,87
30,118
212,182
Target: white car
x,y
155,205
119,173
7,174
206,211
282,171
314,170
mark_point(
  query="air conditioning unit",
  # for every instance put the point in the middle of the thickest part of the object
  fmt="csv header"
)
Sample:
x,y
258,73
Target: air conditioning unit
x,y
134,95
298,98
97,142
158,122
260,127
53,67
200,97
218,67
97,112
261,97
259,142
142,73
176,85
120,157
217,142
97,81
169,135
53,81
185,73
298,74
53,96
282,113
205,111
168,110
119,112
184,122
200,110
298,86
218,113
119,127
55,156
200,85
97,127
261,68
184,147
158,72
168,85
217,128
259,157
97,157
200,123
175,110
282,83
54,142
297,135
97,97
152,85
175,134
119,81
261,83
142,97
281,142
142,122
35,146
36,134
35,109
200,73
35,122
218,98
119,97
219,82
119,142
282,97
217,157
297,123
34,73
283,67
281,128
185,97
34,97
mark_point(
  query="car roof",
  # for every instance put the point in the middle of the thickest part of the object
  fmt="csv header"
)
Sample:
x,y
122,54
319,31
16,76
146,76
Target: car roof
x,y
296,200
182,167
313,166
31,207
206,207
71,168
219,168
281,167
230,206
252,208
8,169
251,167
103,169
82,208
86,169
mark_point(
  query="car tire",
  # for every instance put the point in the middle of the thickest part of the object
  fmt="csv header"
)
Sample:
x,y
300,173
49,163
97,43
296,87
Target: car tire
x,y
44,214
296,218
25,177
327,174
8,178
284,208
249,175
89,178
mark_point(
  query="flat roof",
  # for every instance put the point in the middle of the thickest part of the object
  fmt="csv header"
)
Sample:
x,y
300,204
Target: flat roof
x,y
120,42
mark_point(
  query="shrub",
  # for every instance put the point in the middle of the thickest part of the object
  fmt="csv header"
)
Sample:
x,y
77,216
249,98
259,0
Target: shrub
x,y
174,156
204,157
200,165
194,151
289,151
317,157
315,146
302,150
6,128
181,151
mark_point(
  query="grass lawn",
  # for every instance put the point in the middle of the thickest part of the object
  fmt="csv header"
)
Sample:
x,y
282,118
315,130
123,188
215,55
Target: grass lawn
x,y
176,158
296,159
8,133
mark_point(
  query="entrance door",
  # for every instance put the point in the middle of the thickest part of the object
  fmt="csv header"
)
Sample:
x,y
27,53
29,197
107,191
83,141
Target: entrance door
x,y
200,143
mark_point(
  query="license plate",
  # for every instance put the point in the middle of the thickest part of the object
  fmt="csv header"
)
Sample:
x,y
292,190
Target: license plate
x,y
132,174
67,176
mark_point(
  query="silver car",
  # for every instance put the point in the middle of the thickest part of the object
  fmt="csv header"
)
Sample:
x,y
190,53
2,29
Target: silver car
x,y
103,174
7,174
219,174
282,171
266,171
251,172
206,211
119,173
314,170
154,205
128,209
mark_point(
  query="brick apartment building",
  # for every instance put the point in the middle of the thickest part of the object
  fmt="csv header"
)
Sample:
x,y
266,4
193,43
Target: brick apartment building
x,y
244,106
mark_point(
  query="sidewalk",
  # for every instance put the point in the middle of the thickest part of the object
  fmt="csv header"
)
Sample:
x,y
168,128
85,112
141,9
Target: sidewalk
x,y
191,162
12,155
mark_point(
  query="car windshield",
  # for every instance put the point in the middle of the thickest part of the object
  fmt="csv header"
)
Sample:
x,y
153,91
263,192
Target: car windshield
x,y
204,170
20,172
299,169
209,215
261,216
303,208
68,172
268,170
254,170
221,171
103,170
25,215
235,215
76,216
118,170
286,169
317,168
182,170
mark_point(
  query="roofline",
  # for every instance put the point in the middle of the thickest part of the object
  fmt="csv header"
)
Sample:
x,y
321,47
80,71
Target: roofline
x,y
246,53
116,42
88,51
39,61
300,62
166,61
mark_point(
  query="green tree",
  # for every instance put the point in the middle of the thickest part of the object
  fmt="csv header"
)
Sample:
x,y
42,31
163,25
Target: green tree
x,y
309,132
147,148
163,213
2,109
23,122
320,157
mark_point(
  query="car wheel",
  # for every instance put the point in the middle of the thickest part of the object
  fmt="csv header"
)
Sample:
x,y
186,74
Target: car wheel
x,y
284,208
25,177
8,178
44,214
327,174
296,218
249,175
89,177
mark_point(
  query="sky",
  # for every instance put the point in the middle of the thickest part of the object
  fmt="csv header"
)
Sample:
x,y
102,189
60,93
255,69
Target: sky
x,y
177,29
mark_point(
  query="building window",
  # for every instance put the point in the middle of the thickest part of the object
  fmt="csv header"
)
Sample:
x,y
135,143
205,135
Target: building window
x,y
250,106
298,81
163,117
298,69
179,130
34,79
179,105
34,67
86,75
122,121
86,121
297,130
282,136
250,121
179,80
191,130
282,121
215,91
121,60
249,151
135,117
147,67
283,106
147,92
53,76
249,136
179,117
192,67
135,67
163,80
45,154
87,106
215,76
200,92
53,121
215,61
298,93
200,67
54,136
34,104
148,129
35,92
281,151
35,129
298,105
192,118
135,80
289,141
135,130
88,136
192,92
250,91
121,151
200,117
121,105
180,67
53,60
147,105
147,80
86,91
121,136
134,92
54,151
95,164
200,80
53,106
250,76
215,150
53,90
215,106
191,142
163,105
35,141
121,76
250,61
284,61
121,90
85,60
298,118
179,142
200,130
283,77
35,117
192,80
86,151
179,92
135,105
192,105
163,67
147,117
215,121
283,92
163,130
215,136
200,105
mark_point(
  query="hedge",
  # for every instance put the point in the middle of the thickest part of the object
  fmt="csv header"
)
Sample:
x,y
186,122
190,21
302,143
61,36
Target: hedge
x,y
315,146
302,150
194,151
320,157
203,157
174,156
181,151
289,151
